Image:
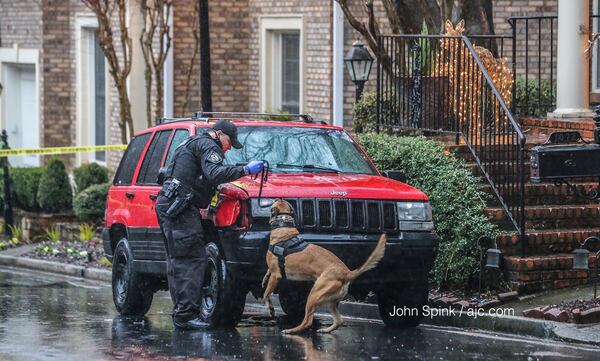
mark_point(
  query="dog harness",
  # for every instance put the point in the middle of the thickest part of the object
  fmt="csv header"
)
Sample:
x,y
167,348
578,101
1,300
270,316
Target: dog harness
x,y
285,248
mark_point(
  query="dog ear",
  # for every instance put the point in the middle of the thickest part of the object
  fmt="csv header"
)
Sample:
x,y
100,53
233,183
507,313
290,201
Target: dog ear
x,y
274,211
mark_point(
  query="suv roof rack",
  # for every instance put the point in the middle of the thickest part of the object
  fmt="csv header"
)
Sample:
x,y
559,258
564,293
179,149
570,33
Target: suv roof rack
x,y
205,116
160,121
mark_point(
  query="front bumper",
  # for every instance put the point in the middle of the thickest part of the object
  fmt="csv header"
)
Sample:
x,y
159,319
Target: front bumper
x,y
408,256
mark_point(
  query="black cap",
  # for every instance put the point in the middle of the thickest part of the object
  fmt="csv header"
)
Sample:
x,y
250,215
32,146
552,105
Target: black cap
x,y
230,129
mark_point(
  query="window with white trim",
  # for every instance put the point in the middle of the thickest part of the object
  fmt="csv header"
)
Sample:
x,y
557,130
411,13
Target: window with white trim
x,y
93,93
595,25
282,64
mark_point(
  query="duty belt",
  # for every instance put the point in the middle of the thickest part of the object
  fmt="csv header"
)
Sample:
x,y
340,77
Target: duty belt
x,y
285,248
185,189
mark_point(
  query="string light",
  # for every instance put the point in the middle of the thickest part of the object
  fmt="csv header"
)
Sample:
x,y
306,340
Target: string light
x,y
453,57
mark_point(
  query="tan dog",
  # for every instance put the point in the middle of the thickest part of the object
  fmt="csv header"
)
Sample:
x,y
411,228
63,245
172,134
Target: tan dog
x,y
314,263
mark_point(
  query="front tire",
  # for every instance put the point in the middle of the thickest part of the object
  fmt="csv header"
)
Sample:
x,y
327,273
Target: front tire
x,y
224,297
399,295
131,293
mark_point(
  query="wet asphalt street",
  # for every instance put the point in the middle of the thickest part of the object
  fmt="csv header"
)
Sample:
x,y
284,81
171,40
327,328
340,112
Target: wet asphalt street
x,y
46,317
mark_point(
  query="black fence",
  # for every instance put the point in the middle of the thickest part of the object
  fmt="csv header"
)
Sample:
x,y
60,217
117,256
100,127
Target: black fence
x,y
440,84
534,57
534,64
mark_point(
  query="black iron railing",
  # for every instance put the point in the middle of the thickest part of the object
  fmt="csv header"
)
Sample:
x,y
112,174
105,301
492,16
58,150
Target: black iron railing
x,y
534,52
534,64
443,84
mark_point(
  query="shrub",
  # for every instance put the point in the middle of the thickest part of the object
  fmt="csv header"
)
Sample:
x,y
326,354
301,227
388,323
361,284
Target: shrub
x,y
89,205
527,97
1,190
16,234
89,174
53,234
86,232
453,191
54,193
25,183
365,112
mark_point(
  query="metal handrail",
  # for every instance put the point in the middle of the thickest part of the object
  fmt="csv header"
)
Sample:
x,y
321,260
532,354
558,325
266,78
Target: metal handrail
x,y
518,224
461,100
495,91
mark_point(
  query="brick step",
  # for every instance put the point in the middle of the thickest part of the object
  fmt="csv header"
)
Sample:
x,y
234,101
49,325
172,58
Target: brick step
x,y
495,152
581,124
499,168
542,272
499,174
547,241
550,217
548,194
542,133
550,212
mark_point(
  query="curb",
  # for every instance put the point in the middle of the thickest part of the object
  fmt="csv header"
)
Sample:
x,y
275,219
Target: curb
x,y
95,274
505,324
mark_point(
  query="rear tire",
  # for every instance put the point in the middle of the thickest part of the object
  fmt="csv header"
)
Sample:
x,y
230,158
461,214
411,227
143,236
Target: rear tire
x,y
132,294
400,295
224,296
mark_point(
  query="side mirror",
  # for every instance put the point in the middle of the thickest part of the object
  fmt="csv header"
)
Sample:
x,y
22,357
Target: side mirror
x,y
395,175
162,174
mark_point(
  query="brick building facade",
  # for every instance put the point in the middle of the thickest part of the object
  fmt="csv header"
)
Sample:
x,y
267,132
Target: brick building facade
x,y
251,42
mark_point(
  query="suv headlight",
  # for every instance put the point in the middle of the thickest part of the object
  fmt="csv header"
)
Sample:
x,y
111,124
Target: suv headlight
x,y
414,216
263,209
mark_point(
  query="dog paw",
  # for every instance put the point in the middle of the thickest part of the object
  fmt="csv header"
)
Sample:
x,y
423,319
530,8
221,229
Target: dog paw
x,y
287,332
324,330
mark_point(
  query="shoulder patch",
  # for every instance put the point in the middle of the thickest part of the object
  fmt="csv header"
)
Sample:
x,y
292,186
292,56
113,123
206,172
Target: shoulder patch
x,y
214,157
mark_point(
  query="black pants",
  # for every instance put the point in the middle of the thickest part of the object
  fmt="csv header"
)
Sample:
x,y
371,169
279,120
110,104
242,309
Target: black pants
x,y
186,258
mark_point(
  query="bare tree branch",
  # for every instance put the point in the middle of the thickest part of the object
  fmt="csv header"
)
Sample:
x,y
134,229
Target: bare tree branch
x,y
156,15
392,15
195,26
104,9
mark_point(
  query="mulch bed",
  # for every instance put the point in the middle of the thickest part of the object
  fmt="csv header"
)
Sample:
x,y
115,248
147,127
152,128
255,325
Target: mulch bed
x,y
577,311
75,253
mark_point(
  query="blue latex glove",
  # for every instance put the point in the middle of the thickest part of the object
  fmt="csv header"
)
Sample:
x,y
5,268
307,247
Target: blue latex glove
x,y
254,167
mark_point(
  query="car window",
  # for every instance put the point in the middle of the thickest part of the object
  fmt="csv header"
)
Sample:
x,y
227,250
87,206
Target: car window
x,y
149,170
124,174
178,138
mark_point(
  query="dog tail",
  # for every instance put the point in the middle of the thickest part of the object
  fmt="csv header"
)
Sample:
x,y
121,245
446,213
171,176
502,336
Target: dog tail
x,y
372,261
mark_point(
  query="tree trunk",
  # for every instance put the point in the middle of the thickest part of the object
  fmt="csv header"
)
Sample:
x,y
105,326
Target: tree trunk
x,y
148,77
126,121
159,110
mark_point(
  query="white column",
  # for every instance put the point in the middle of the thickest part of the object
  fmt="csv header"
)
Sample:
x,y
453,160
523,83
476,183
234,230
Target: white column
x,y
572,99
338,65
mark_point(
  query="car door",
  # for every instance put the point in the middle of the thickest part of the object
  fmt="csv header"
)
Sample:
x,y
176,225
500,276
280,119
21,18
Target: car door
x,y
145,190
121,195
147,179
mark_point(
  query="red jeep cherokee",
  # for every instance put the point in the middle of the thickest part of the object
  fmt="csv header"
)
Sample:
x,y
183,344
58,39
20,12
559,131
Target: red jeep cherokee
x,y
342,203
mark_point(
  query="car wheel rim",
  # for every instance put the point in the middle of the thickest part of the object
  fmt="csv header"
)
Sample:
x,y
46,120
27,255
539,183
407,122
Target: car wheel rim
x,y
211,289
121,276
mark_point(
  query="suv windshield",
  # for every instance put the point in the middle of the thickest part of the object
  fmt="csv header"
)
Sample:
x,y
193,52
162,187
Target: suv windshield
x,y
300,149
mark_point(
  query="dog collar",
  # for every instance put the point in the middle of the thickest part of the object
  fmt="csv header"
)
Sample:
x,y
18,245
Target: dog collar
x,y
283,221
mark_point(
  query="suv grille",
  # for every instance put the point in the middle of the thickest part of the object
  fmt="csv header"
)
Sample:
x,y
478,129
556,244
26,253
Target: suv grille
x,y
367,216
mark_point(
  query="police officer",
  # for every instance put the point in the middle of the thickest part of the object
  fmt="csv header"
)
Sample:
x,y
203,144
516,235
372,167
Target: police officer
x,y
190,182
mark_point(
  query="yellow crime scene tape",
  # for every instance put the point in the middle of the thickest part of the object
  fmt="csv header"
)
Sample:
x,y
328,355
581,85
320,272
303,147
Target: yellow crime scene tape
x,y
60,150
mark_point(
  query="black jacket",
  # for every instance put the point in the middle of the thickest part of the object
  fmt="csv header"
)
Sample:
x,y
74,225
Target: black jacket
x,y
198,163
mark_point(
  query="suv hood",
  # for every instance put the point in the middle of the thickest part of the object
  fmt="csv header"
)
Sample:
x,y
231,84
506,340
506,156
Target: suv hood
x,y
318,185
